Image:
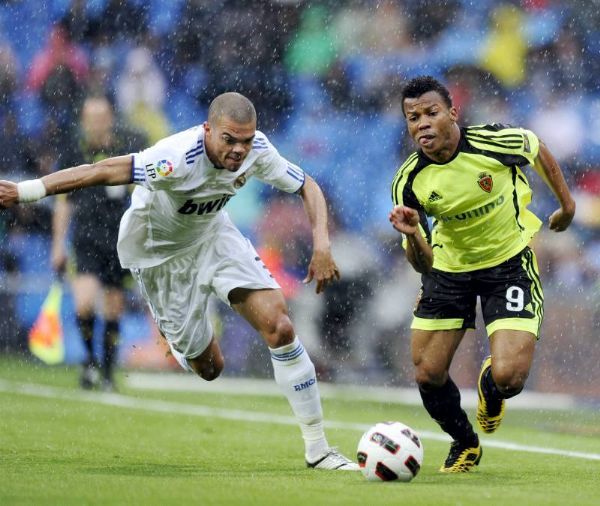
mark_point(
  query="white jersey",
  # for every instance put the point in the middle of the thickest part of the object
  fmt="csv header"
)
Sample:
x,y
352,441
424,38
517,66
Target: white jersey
x,y
181,195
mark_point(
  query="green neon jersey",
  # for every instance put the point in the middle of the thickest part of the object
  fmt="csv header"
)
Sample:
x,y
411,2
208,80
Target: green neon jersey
x,y
477,201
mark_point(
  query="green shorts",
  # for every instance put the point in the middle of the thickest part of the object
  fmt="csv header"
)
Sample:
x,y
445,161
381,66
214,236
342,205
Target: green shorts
x,y
510,293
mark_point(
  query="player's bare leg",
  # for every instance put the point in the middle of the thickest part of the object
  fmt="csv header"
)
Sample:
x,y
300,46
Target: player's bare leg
x,y
209,364
432,353
503,374
512,356
267,312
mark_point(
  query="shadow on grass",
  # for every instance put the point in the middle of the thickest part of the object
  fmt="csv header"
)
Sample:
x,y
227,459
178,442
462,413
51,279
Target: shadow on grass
x,y
176,470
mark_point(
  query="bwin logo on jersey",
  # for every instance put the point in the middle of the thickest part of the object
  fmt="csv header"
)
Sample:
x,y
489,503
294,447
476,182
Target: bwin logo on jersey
x,y
303,386
207,207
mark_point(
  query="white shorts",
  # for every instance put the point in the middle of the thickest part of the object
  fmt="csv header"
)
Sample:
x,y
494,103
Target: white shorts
x,y
178,290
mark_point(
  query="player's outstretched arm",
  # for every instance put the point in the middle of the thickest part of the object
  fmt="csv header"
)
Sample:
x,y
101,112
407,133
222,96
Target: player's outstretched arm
x,y
108,172
549,170
418,252
322,267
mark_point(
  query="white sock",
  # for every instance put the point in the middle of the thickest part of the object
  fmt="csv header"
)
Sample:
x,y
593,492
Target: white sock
x,y
181,360
295,375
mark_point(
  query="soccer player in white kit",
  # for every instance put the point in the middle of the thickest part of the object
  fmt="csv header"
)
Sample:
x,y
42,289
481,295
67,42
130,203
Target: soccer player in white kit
x,y
182,247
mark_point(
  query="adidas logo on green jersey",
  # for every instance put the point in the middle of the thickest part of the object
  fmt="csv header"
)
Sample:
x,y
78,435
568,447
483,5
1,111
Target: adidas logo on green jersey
x,y
434,197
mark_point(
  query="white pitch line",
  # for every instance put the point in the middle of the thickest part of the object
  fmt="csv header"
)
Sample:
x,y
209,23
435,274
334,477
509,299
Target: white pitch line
x,y
183,382
127,402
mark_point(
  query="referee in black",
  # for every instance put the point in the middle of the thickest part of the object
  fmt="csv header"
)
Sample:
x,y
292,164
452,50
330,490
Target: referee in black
x,y
93,215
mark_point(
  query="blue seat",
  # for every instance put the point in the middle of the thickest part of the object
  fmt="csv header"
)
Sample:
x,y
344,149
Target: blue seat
x,y
32,252
26,27
164,15
183,111
30,113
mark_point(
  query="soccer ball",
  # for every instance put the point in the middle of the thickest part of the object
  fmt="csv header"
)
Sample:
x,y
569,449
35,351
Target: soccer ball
x,y
390,451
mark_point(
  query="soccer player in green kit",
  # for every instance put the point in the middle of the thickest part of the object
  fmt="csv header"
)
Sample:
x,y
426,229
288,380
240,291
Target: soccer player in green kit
x,y
470,183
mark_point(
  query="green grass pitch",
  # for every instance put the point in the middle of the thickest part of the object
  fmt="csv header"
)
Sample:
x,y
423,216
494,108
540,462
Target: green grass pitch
x,y
61,446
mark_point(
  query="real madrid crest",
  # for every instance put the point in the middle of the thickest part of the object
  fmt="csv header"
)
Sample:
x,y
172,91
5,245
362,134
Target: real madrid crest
x,y
486,183
240,181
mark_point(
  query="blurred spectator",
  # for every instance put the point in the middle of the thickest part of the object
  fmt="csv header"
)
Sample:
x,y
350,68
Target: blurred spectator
x,y
478,95
562,261
141,93
390,313
9,69
283,226
568,68
375,37
244,49
505,49
559,124
141,82
312,51
17,158
76,21
387,30
558,66
429,19
61,93
348,28
102,69
342,322
121,19
190,45
58,75
59,53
